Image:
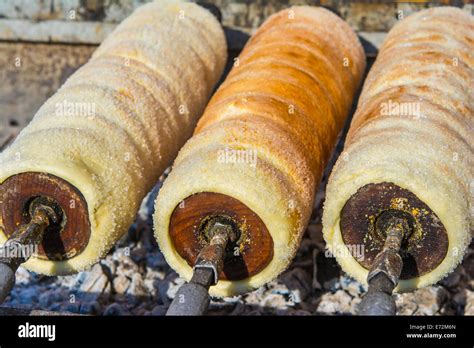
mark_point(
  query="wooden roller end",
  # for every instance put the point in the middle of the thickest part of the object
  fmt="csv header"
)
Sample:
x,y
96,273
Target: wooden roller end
x,y
422,250
249,255
61,241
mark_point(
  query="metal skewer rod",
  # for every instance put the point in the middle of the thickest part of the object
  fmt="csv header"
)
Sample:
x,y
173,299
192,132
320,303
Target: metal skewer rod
x,y
193,298
22,243
384,274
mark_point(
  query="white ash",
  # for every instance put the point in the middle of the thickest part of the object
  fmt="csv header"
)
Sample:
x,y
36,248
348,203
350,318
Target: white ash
x,y
134,279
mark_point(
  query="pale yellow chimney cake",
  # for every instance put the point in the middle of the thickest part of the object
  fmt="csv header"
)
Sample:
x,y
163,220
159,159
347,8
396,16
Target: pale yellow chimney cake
x,y
410,148
101,142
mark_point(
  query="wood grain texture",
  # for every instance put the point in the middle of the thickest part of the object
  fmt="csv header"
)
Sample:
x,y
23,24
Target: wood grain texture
x,y
421,252
61,242
248,256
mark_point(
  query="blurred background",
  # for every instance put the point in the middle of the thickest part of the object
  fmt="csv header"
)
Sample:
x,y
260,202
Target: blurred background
x,y
43,41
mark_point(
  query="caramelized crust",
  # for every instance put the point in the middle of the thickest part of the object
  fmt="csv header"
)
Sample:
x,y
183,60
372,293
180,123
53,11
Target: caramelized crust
x,y
285,100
